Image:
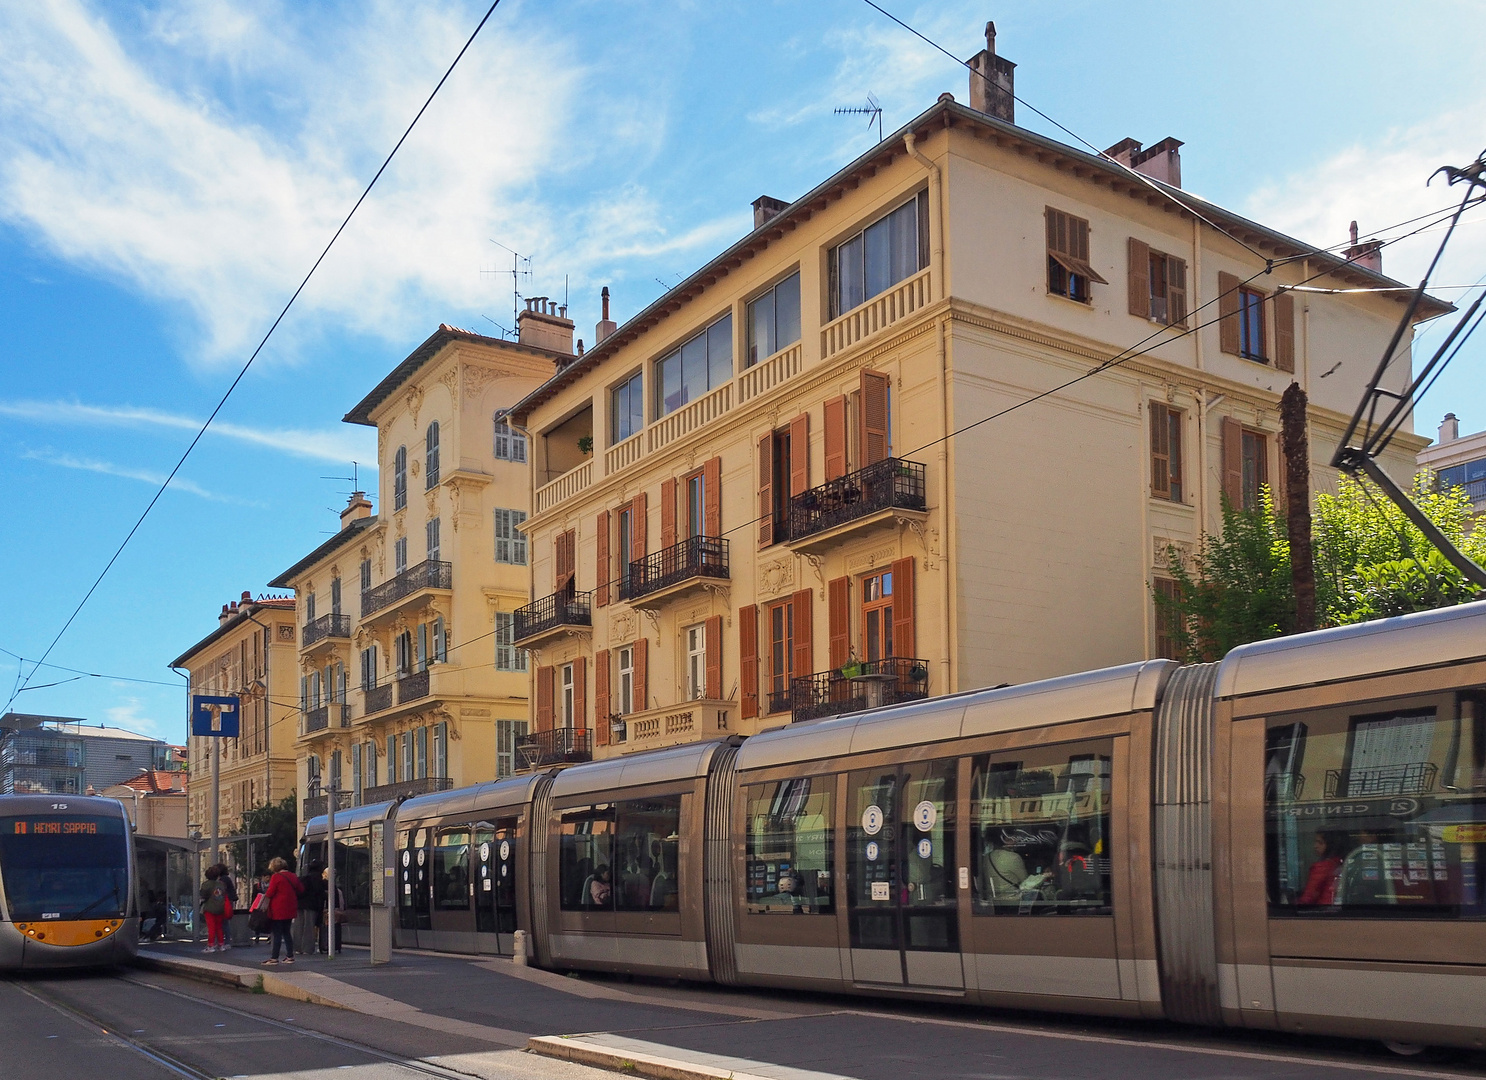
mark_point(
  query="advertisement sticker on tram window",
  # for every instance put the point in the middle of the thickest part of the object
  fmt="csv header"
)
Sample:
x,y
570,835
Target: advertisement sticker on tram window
x,y
1464,834
924,816
407,858
872,820
872,851
505,850
484,852
485,885
421,856
881,890
925,848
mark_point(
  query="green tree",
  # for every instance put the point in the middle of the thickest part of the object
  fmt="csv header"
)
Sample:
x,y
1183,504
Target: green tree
x,y
279,821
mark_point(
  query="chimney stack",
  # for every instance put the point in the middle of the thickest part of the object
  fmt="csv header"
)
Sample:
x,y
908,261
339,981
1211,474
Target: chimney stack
x,y
765,209
1162,162
357,506
545,325
606,325
222,618
1368,254
1449,426
992,81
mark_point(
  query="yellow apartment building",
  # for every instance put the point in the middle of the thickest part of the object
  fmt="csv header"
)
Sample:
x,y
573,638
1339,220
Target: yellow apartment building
x,y
251,655
405,676
820,468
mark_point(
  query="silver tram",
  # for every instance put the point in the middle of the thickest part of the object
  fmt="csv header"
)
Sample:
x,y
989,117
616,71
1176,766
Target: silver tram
x,y
1291,839
66,882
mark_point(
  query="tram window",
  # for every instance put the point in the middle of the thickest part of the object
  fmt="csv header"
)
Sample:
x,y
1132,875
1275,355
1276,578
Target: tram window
x,y
1379,814
1039,832
586,853
789,846
647,842
353,870
64,867
451,870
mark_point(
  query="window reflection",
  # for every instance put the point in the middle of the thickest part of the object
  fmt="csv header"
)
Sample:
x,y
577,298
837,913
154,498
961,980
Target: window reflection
x,y
621,856
451,870
789,846
701,364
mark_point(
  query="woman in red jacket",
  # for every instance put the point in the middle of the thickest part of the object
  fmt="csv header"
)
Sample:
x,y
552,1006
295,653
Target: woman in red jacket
x,y
282,897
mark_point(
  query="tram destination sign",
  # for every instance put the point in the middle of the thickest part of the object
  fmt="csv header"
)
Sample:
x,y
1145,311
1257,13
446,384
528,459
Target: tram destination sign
x,y
214,717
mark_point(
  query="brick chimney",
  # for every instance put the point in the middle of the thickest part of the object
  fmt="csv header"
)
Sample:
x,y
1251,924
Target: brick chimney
x,y
1162,162
765,209
357,506
1449,426
1368,254
545,325
226,614
606,325
992,81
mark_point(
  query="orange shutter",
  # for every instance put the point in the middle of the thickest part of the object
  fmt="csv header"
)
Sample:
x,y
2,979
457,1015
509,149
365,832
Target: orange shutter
x,y
1233,461
1140,278
601,707
835,437
804,652
1228,313
668,513
639,516
564,549
544,700
580,693
1160,451
748,659
712,497
838,620
642,672
1284,331
712,628
766,490
1176,291
799,454
905,642
874,417
603,571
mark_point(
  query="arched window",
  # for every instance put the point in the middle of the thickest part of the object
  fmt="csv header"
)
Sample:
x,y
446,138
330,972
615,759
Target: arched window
x,y
400,478
431,456
510,445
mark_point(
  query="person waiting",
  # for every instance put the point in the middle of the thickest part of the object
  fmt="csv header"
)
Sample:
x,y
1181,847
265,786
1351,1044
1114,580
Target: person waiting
x,y
1320,883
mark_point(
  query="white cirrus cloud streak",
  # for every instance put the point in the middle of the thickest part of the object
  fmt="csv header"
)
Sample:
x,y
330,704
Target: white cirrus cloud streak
x,y
144,476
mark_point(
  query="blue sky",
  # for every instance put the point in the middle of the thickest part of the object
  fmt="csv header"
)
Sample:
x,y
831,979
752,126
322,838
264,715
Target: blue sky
x,y
168,172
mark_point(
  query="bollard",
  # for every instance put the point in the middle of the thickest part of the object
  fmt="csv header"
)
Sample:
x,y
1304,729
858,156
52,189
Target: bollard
x,y
518,951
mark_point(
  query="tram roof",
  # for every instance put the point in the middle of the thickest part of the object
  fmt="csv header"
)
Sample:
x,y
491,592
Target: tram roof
x,y
1085,696
41,803
353,818
493,795
686,762
1423,639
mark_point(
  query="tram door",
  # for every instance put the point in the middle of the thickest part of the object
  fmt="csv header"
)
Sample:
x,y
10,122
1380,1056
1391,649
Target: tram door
x,y
901,901
413,879
495,888
452,916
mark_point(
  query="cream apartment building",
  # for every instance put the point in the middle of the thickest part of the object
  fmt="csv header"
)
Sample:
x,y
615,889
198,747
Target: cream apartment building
x,y
822,456
406,680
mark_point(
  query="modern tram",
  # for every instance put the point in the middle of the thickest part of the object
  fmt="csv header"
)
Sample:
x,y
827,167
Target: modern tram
x,y
66,882
1290,839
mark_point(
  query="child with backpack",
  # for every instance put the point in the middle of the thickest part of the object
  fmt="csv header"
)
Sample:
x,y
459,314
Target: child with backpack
x,y
216,907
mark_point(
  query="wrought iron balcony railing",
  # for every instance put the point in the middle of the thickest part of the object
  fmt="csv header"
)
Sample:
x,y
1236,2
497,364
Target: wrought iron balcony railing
x,y
413,686
323,717
378,698
559,746
831,693
890,484
550,612
699,556
316,805
431,574
326,626
405,789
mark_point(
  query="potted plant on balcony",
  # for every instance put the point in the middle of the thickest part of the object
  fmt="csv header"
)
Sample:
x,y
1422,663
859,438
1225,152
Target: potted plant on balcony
x,y
616,727
585,444
852,668
918,673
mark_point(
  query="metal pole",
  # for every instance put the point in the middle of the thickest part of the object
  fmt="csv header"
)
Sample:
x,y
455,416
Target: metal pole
x,y
330,872
216,794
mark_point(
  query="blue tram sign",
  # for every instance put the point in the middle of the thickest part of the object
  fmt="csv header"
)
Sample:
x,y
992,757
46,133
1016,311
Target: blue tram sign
x,y
214,717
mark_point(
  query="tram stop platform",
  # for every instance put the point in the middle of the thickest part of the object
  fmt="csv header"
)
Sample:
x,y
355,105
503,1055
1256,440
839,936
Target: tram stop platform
x,y
679,1031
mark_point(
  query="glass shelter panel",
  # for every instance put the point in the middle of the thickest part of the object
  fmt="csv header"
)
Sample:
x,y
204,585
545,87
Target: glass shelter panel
x,y
789,847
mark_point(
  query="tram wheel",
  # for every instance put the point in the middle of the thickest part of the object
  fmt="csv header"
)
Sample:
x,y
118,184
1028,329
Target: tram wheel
x,y
1405,1049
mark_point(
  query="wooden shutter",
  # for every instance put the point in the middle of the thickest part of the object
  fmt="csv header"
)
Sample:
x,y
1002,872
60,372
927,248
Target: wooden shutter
x,y
1228,313
642,673
564,550
838,620
1160,451
1233,461
544,699
799,454
874,417
712,497
604,570
748,659
580,693
601,706
1057,231
712,628
835,437
1176,291
766,490
638,520
905,641
668,513
1284,331
804,650
1140,278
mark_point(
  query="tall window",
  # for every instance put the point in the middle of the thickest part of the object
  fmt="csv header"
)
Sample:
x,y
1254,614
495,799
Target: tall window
x,y
565,703
510,445
627,408
625,542
431,537
335,596
1069,272
441,749
391,759
309,608
440,641
774,320
369,759
400,478
399,555
1255,467
355,774
1168,618
1251,324
365,574
403,645
702,364
507,734
893,248
510,542
696,505
369,667
696,661
431,456
781,654
507,656
626,701
1166,452
877,616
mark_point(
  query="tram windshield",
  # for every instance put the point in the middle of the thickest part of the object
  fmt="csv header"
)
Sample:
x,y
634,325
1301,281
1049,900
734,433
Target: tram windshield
x,y
72,867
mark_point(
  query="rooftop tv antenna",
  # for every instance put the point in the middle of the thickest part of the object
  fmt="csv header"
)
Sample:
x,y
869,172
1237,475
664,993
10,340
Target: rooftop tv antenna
x,y
520,268
354,480
872,111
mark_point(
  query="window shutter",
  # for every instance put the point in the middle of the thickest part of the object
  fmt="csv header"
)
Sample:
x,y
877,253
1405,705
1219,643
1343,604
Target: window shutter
x,y
804,652
1228,313
601,707
1057,231
765,490
748,659
905,642
835,437
642,672
580,693
799,454
874,418
544,698
1140,278
1160,451
638,519
1284,331
838,620
713,632
1233,461
712,496
1176,291
668,513
604,570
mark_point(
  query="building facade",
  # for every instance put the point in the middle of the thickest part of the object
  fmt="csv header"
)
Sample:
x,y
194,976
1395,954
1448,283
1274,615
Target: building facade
x,y
156,801
61,755
821,471
1458,461
250,655
406,679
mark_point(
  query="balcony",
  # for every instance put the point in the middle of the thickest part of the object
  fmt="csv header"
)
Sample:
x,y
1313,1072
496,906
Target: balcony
x,y
322,718
832,693
326,626
412,686
685,722
426,575
675,570
865,499
405,789
560,746
552,615
317,805
564,487
876,315
378,698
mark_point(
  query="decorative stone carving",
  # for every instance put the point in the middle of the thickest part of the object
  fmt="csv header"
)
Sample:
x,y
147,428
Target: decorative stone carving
x,y
450,378
415,402
866,560
468,710
621,625
1161,547
777,576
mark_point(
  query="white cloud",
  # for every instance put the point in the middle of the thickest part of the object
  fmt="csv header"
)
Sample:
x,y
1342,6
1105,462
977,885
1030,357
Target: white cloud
x,y
130,716
146,476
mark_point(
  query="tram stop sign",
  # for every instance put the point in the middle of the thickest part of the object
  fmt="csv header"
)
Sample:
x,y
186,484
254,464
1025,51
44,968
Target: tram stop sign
x,y
214,717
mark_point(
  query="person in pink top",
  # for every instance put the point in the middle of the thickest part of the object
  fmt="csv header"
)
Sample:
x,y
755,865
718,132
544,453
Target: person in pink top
x,y
282,896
